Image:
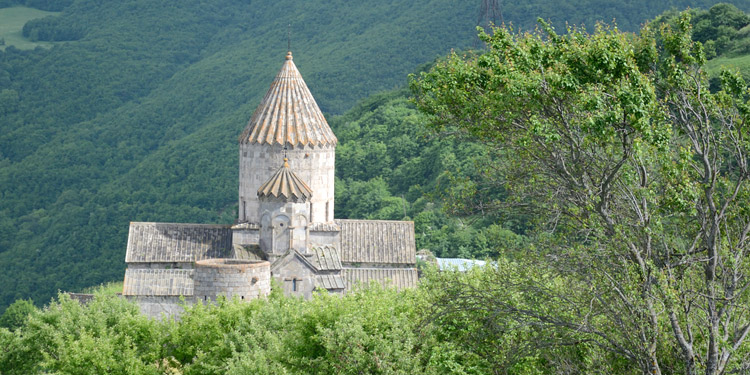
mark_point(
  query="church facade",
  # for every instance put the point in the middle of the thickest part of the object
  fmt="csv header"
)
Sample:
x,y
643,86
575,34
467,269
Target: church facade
x,y
286,229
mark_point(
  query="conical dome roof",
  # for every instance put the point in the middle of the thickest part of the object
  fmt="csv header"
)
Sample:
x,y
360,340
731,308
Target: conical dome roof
x,y
286,185
288,114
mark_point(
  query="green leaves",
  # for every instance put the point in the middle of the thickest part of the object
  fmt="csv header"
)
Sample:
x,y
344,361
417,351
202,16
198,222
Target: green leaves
x,y
106,336
634,164
373,330
16,314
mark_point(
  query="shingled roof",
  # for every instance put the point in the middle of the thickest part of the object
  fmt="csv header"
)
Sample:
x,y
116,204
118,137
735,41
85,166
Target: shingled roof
x,y
377,241
158,282
171,242
284,184
325,258
400,278
288,114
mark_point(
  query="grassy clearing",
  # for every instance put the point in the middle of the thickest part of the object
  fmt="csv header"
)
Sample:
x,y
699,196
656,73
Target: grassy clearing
x,y
740,63
11,23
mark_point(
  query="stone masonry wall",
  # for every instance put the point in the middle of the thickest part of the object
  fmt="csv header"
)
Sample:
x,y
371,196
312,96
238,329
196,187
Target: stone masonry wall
x,y
244,279
285,221
160,306
245,234
314,165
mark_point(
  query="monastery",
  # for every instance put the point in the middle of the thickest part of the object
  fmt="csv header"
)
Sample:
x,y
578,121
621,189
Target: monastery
x,y
286,229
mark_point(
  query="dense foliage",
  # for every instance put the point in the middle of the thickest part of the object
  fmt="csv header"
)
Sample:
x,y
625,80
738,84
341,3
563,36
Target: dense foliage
x,y
722,29
415,172
371,331
639,173
134,117
616,214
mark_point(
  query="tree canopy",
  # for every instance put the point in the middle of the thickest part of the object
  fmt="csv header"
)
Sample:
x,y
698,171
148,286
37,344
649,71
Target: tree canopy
x,y
635,168
372,330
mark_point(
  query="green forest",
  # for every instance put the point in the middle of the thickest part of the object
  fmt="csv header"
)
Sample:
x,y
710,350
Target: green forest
x,y
131,118
601,168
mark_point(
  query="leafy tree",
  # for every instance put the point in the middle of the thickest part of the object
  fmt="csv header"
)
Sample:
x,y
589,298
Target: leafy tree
x,y
722,29
639,170
16,314
478,312
108,335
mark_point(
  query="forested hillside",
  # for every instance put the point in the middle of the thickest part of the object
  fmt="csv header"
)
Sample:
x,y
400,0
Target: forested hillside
x,y
138,118
134,112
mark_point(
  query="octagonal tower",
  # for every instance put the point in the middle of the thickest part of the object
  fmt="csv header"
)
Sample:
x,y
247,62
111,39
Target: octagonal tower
x,y
287,123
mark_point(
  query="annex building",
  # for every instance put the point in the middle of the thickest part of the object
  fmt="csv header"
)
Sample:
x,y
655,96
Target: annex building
x,y
286,229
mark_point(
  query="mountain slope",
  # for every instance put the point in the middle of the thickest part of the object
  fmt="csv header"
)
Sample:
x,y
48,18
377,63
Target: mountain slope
x,y
133,114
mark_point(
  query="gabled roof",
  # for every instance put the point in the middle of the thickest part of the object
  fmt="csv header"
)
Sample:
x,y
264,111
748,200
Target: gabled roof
x,y
288,114
170,242
292,255
330,282
284,184
377,241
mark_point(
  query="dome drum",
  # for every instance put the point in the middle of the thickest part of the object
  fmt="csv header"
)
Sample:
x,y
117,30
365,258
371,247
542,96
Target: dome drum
x,y
314,165
287,123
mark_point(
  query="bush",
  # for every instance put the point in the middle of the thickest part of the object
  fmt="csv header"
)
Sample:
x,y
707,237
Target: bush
x,y
16,314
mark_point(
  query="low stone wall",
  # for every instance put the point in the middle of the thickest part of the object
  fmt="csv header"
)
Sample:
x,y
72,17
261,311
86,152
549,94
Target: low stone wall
x,y
245,279
161,306
82,298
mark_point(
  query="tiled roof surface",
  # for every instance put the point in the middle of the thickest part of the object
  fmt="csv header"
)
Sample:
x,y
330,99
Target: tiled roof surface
x,y
329,282
288,114
377,241
158,282
168,242
284,184
397,277
326,258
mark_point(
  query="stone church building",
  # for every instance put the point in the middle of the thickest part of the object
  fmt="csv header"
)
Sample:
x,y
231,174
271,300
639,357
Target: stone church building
x,y
286,229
